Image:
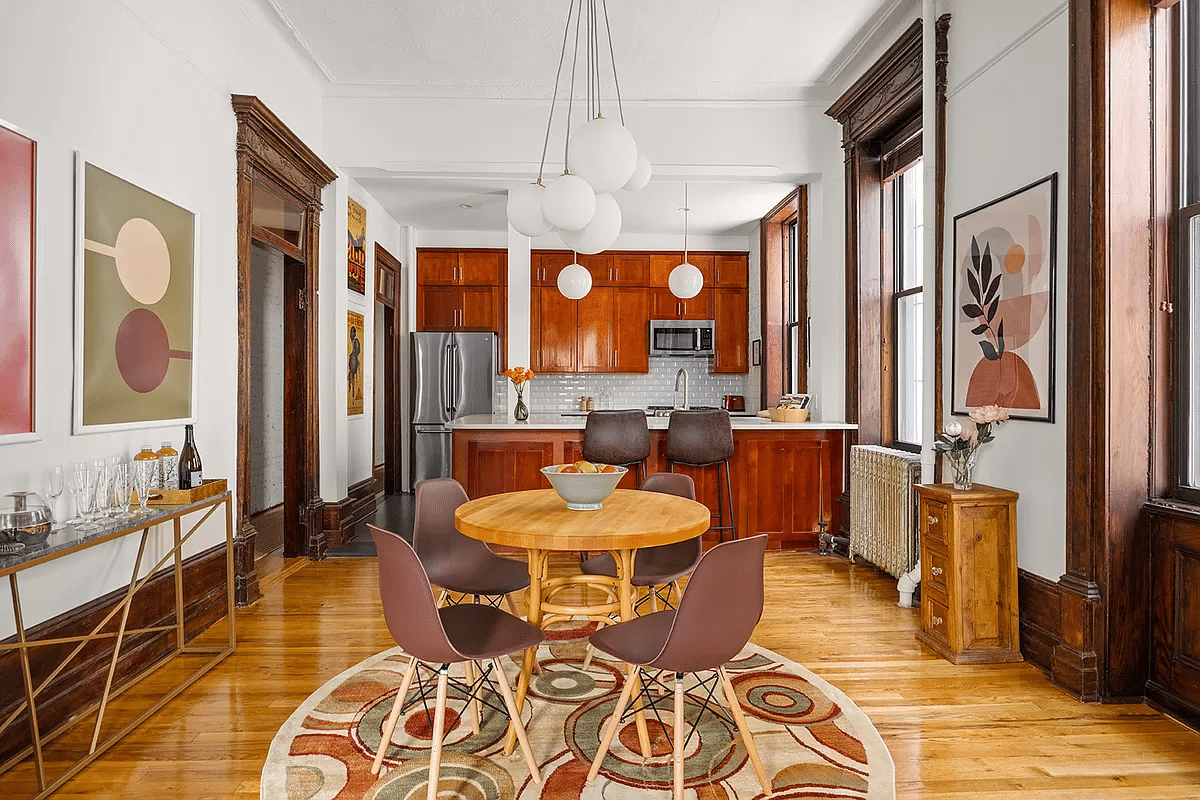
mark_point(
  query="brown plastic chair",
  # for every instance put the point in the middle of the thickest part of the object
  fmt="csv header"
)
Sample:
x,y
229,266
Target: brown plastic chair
x,y
663,565
716,616
620,438
468,632
454,562
704,438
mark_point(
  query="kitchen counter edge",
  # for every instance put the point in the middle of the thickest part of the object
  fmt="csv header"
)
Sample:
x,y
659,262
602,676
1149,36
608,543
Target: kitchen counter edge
x,y
559,422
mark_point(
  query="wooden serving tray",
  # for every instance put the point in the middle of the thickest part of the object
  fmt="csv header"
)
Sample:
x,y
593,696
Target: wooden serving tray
x,y
178,497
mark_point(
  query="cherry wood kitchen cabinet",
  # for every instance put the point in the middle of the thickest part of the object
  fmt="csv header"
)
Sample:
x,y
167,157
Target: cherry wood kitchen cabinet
x,y
552,331
784,481
664,305
463,290
969,612
605,332
662,263
731,330
731,270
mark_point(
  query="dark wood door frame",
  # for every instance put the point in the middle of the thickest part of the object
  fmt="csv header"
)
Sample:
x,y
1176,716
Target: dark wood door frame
x,y
268,152
386,264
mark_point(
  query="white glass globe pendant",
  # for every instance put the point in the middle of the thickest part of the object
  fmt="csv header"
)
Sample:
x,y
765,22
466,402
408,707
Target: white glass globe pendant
x,y
599,158
685,280
641,175
525,210
599,234
569,202
604,154
574,282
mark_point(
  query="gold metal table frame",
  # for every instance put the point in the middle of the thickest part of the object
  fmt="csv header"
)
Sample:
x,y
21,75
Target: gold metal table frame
x,y
23,645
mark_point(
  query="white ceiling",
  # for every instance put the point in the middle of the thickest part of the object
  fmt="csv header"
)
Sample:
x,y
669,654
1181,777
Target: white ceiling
x,y
684,50
681,49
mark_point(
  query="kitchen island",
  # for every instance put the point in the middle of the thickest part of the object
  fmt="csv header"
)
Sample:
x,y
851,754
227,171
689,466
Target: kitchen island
x,y
786,476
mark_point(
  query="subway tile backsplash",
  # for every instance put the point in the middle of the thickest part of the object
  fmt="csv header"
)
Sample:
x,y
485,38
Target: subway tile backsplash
x,y
557,393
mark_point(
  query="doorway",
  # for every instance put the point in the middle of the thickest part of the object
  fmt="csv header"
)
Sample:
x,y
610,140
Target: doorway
x,y
279,184
267,415
387,466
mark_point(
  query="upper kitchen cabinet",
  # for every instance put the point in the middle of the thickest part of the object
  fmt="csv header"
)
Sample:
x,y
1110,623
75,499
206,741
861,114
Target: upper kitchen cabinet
x,y
730,270
731,330
661,265
606,331
463,290
544,266
616,268
450,267
664,305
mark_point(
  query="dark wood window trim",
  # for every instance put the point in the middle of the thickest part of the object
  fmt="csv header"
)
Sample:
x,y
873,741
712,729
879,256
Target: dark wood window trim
x,y
879,115
775,288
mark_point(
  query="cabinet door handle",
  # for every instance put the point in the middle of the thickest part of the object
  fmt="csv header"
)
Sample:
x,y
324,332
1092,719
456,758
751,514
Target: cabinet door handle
x,y
610,274
932,520
936,571
937,621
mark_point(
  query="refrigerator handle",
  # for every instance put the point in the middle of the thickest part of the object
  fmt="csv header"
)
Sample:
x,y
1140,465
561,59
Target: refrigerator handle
x,y
448,384
455,389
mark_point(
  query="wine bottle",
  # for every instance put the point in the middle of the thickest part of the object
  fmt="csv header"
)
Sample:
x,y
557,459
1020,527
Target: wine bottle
x,y
190,470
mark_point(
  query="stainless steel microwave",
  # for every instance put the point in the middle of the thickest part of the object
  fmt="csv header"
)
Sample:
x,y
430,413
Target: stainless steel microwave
x,y
679,337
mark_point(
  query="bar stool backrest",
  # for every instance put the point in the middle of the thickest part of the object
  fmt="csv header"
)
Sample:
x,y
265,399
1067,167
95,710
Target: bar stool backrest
x,y
699,437
616,437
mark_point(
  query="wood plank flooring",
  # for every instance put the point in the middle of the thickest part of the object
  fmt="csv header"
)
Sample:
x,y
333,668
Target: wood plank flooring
x,y
978,732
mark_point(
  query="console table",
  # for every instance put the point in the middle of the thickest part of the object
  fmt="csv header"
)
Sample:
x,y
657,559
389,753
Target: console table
x,y
67,542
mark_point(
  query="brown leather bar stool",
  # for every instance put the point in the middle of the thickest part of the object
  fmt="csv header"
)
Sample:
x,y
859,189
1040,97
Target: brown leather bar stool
x,y
703,439
620,438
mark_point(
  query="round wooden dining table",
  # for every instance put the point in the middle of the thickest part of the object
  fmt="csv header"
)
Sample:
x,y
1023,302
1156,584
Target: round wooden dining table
x,y
539,522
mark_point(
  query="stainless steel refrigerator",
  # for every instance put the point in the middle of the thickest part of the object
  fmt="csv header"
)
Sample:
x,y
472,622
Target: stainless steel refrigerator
x,y
454,375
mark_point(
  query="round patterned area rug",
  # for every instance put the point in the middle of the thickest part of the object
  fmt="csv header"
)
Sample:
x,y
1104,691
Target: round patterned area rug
x,y
813,741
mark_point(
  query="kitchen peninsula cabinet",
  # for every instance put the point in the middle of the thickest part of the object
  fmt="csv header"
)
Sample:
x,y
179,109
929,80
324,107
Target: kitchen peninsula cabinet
x,y
786,476
463,290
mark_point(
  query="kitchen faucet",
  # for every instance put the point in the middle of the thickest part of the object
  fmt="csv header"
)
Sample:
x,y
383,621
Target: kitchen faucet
x,y
682,374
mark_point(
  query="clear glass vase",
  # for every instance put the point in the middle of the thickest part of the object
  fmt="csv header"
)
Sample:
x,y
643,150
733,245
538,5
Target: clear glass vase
x,y
521,412
962,464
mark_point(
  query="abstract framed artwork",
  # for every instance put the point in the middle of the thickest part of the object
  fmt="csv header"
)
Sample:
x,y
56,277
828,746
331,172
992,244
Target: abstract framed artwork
x,y
18,290
1004,283
134,305
355,336
356,247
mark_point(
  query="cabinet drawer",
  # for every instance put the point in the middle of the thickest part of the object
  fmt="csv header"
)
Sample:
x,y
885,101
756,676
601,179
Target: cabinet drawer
x,y
934,563
933,521
937,623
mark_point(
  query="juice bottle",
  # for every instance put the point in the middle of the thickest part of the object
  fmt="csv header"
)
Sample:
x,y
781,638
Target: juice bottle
x,y
168,466
148,454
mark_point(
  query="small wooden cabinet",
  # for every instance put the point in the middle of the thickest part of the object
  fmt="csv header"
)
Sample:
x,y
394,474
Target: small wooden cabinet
x,y
463,290
969,611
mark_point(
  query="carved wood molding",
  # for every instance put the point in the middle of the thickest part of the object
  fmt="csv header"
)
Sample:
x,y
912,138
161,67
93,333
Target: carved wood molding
x,y
886,92
271,147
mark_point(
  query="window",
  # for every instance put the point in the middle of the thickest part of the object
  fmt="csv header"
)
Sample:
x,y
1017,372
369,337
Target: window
x,y
1188,268
795,305
907,304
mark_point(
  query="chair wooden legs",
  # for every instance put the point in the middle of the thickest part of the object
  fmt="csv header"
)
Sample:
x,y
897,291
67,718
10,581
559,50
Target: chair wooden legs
x,y
476,706
510,702
678,745
439,726
389,725
512,606
736,709
613,724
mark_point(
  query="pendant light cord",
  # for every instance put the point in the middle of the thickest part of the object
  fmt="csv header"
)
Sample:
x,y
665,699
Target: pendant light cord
x,y
571,93
554,99
685,220
613,59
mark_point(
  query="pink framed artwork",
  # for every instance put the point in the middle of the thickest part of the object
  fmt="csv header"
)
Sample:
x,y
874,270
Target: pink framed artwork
x,y
18,234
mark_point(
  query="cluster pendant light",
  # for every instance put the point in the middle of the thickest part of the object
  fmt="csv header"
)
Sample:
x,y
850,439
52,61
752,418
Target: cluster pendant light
x,y
600,158
685,280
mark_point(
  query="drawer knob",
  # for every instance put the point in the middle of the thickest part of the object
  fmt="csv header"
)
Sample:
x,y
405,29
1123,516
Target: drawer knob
x,y
937,621
936,571
932,519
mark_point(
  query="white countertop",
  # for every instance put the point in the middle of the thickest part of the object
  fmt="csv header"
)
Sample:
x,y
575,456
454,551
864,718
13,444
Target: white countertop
x,y
575,422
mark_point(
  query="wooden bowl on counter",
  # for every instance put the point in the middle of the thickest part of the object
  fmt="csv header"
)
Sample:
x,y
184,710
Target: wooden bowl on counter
x,y
785,414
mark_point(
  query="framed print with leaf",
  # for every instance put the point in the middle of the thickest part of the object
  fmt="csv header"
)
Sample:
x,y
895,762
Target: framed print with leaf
x,y
134,315
18,236
1004,278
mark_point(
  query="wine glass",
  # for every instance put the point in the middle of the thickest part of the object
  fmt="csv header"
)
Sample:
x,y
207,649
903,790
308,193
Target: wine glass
x,y
83,487
55,482
104,488
122,489
143,472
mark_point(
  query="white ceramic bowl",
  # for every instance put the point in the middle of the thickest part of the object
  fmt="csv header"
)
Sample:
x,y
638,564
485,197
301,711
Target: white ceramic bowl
x,y
583,491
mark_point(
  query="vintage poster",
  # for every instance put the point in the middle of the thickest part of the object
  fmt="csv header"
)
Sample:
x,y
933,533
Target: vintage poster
x,y
356,248
134,317
355,355
18,169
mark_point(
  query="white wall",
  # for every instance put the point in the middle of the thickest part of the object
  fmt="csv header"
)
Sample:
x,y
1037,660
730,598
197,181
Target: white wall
x,y
141,88
1006,128
266,379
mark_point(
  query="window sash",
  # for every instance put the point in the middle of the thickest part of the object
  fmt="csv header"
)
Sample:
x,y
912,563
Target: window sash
x,y
1188,350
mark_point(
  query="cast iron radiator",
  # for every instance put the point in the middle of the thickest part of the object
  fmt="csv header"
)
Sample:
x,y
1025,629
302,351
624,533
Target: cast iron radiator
x,y
883,508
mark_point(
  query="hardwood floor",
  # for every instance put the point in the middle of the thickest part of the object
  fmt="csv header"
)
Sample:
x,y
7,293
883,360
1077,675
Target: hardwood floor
x,y
989,731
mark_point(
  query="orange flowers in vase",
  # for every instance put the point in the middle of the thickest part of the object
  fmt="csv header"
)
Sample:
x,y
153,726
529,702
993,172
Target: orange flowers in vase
x,y
519,377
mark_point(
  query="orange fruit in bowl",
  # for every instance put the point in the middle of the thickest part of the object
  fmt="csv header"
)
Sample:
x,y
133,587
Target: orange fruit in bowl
x,y
608,468
569,468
